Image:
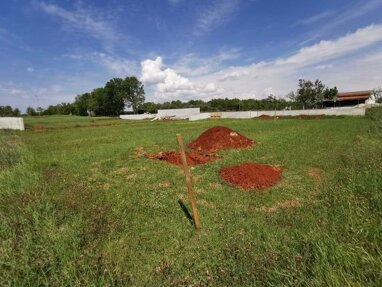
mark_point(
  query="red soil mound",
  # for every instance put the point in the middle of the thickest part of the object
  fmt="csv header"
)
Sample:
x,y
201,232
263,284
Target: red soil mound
x,y
193,157
217,138
251,175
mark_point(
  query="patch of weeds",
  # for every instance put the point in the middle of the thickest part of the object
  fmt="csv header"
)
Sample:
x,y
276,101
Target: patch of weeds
x,y
375,114
10,151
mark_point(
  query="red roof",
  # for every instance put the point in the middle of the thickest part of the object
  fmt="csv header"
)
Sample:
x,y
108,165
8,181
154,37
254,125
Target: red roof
x,y
360,95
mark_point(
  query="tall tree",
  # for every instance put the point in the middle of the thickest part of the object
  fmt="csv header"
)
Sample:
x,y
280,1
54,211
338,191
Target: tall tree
x,y
113,97
81,104
96,102
377,92
31,111
311,95
134,93
6,111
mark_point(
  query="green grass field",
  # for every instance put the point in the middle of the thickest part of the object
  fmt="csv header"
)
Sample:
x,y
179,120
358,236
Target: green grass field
x,y
78,207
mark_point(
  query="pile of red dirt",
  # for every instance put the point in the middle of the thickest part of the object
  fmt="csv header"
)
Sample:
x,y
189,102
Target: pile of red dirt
x,y
193,157
251,175
217,138
202,150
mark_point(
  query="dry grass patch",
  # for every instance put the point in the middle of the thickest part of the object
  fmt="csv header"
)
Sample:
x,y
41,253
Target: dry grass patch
x,y
292,203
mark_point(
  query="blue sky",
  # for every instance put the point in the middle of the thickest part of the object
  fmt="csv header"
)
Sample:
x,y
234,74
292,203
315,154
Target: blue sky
x,y
50,51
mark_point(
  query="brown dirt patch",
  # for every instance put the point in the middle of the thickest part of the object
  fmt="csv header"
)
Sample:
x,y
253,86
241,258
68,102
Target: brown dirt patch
x,y
316,173
318,176
165,184
293,203
265,117
40,129
217,138
193,157
251,175
139,152
196,178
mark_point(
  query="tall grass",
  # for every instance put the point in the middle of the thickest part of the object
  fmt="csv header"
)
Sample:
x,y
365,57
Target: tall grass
x,y
79,208
10,149
375,114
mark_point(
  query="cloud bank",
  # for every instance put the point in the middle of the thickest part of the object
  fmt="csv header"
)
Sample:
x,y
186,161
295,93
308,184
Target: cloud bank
x,y
92,23
169,85
343,62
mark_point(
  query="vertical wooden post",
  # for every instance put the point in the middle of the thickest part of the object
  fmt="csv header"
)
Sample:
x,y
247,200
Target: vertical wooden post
x,y
187,175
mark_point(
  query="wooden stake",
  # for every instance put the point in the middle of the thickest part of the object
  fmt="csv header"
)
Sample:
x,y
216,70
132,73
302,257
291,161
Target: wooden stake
x,y
187,175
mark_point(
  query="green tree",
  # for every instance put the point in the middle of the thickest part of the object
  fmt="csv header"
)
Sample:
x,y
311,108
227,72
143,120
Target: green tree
x,y
133,93
96,102
311,95
113,97
31,111
377,92
39,110
149,107
6,111
16,112
330,93
81,104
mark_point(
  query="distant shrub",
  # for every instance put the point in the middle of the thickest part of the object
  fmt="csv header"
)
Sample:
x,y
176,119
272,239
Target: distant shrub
x,y
10,151
376,115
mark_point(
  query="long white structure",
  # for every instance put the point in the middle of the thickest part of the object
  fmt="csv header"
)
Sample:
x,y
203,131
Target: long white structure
x,y
195,115
169,113
11,123
137,117
178,113
254,114
326,112
198,117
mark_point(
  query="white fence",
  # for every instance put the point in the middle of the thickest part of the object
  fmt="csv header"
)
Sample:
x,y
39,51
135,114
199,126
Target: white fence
x,y
11,123
195,115
236,115
137,117
198,117
178,112
327,112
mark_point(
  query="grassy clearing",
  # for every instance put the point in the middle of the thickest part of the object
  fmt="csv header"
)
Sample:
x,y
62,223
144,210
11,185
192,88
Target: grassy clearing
x,y
79,207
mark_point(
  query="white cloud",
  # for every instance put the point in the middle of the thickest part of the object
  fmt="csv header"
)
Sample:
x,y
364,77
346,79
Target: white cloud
x,y
215,15
116,66
121,66
233,75
169,84
346,15
152,71
84,20
315,18
324,67
194,65
343,59
330,49
30,69
22,96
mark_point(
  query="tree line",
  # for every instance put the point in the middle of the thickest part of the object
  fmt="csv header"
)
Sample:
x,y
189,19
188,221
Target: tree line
x,y
221,105
109,100
119,93
8,111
